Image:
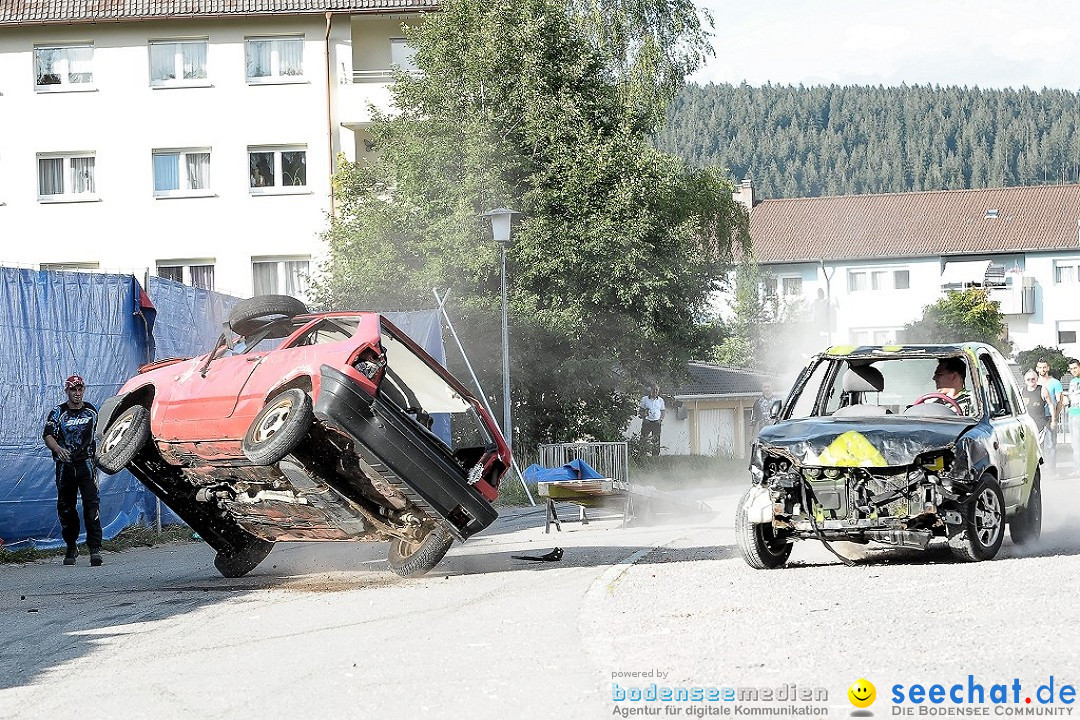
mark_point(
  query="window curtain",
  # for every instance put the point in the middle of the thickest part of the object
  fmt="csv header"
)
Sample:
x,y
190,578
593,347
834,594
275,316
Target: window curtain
x,y
82,172
198,171
45,61
296,278
50,176
166,173
294,168
258,58
194,60
264,278
162,62
202,276
80,64
291,57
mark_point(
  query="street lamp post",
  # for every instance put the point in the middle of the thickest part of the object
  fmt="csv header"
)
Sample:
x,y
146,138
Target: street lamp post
x,y
501,220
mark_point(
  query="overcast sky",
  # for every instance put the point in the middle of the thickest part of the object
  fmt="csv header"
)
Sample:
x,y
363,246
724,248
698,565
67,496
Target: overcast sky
x,y
988,43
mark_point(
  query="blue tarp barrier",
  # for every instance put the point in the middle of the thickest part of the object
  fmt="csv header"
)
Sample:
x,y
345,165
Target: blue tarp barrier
x,y
574,470
54,324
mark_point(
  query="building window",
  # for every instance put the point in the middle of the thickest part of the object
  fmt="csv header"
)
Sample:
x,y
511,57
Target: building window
x,y
196,273
402,54
1066,337
277,170
177,62
874,336
1065,272
66,176
792,286
181,173
64,67
275,59
878,279
281,276
74,266
768,287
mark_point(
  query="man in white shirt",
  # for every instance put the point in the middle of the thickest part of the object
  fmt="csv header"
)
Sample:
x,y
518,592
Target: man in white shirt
x,y
652,410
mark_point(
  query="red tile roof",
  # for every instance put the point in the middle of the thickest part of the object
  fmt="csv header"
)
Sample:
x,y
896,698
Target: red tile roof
x,y
945,222
20,12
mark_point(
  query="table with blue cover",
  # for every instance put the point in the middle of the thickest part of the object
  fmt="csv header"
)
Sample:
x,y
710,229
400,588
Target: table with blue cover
x,y
575,482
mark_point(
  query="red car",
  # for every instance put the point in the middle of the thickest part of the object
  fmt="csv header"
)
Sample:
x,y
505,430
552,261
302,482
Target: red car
x,y
298,426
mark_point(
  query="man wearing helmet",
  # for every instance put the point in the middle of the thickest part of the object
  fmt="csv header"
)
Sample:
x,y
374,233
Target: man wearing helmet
x,y
69,434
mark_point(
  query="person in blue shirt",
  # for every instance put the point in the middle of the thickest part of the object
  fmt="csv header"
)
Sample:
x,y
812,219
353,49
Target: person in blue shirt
x,y
69,434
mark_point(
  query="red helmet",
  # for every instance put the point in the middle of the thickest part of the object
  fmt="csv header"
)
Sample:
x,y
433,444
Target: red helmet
x,y
75,381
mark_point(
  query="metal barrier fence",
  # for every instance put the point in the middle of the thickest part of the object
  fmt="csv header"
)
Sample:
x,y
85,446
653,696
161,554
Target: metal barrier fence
x,y
610,459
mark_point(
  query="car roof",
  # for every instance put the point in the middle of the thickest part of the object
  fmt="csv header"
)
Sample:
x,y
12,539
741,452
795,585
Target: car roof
x,y
877,352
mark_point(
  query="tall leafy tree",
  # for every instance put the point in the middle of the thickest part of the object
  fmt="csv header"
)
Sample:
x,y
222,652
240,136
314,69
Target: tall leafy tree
x,y
531,105
964,316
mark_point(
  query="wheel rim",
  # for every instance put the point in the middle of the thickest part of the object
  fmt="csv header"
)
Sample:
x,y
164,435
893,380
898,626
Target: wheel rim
x,y
275,419
769,541
116,434
1035,503
987,517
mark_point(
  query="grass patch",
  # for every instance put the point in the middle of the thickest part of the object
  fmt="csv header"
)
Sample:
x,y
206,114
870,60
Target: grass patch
x,y
130,537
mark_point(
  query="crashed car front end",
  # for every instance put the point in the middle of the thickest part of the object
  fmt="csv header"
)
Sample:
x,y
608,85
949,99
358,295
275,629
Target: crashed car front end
x,y
890,491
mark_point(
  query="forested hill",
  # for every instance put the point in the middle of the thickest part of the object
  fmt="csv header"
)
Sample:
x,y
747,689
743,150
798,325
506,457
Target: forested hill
x,y
842,140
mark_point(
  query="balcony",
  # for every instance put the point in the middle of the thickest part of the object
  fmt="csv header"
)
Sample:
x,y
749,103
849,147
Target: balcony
x,y
1017,296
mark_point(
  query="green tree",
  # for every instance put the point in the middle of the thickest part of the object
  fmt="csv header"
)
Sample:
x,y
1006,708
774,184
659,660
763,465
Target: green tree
x,y
1054,357
523,104
968,316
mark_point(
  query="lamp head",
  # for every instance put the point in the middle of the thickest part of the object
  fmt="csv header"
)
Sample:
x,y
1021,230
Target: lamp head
x,y
501,218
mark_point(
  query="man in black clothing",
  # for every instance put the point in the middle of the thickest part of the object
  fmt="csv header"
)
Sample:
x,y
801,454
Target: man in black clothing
x,y
69,433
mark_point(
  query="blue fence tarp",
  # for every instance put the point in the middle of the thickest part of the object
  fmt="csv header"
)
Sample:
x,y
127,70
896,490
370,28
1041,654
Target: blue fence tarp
x,y
54,324
576,469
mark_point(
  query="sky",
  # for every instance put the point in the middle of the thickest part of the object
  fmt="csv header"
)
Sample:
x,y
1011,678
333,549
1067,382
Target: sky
x,y
989,43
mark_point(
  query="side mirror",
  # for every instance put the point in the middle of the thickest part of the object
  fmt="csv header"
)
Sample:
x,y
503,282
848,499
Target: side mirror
x,y
774,409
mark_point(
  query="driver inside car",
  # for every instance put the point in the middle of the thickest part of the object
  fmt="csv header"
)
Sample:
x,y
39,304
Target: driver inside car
x,y
949,380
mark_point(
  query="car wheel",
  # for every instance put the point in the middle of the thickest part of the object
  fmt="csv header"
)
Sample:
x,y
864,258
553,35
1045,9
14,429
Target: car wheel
x,y
984,523
249,315
760,547
412,559
279,427
240,563
123,439
1026,527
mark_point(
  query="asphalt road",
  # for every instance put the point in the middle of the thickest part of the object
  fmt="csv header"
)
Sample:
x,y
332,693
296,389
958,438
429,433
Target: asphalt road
x,y
325,631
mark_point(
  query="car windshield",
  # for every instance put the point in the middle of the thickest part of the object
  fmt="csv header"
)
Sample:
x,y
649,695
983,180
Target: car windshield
x,y
887,386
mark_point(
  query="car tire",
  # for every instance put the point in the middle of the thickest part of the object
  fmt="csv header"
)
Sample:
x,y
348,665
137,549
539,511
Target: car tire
x,y
415,559
984,523
760,548
240,563
1026,527
123,439
249,315
279,427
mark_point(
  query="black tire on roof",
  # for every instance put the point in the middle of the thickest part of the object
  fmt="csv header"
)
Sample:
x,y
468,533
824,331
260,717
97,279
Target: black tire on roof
x,y
249,315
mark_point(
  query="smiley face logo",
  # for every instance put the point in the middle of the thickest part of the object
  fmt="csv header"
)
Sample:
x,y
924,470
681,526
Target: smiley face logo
x,y
862,693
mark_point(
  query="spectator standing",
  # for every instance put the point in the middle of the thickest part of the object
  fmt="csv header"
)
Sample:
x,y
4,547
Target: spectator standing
x,y
652,411
1074,414
762,410
69,434
1053,410
1037,401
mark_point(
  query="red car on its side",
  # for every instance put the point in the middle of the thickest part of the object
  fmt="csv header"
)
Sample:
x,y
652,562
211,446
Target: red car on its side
x,y
297,426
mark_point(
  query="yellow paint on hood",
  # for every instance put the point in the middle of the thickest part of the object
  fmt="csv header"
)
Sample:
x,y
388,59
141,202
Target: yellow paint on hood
x,y
851,449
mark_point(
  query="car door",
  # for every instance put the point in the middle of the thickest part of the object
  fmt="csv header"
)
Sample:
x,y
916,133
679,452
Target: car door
x,y
201,404
1011,434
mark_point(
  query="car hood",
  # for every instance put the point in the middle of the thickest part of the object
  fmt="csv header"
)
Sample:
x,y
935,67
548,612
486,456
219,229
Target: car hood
x,y
843,442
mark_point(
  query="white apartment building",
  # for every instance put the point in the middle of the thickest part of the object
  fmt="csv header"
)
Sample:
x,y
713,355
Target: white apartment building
x,y
875,261
190,139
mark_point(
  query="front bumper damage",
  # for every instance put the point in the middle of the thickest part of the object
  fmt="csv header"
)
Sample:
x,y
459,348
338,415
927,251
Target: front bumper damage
x,y
900,505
